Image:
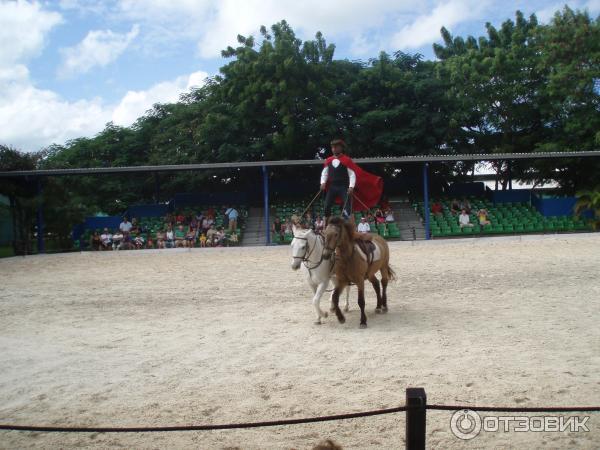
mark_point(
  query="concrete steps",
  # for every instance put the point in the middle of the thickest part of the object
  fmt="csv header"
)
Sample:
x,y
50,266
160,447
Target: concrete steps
x,y
409,222
254,233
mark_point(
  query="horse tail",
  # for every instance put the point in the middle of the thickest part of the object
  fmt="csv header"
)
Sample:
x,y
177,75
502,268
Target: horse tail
x,y
391,273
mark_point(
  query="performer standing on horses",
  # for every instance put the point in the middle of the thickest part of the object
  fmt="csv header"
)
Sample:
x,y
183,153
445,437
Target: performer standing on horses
x,y
342,179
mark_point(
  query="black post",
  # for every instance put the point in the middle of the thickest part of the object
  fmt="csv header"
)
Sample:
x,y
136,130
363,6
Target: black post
x,y
40,218
416,419
156,188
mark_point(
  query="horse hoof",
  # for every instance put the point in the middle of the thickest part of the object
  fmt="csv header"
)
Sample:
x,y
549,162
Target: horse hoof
x,y
342,319
363,325
378,311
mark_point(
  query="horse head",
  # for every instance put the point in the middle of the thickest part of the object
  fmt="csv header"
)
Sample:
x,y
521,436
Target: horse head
x,y
300,245
334,235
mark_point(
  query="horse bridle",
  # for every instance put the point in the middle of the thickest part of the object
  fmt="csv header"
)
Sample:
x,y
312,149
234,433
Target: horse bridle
x,y
307,253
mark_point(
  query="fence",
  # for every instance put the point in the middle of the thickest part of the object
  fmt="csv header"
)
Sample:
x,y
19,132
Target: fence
x,y
415,408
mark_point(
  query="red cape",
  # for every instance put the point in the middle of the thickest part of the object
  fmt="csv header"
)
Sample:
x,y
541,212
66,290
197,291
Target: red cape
x,y
368,188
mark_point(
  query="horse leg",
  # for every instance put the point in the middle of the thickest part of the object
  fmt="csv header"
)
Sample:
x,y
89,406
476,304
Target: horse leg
x,y
361,303
347,306
385,276
336,304
317,300
375,282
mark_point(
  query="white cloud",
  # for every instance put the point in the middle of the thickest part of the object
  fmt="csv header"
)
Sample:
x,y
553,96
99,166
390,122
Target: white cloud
x,y
425,29
98,49
23,30
135,103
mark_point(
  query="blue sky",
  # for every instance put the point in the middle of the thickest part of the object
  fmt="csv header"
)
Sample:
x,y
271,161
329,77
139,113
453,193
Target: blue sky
x,y
67,67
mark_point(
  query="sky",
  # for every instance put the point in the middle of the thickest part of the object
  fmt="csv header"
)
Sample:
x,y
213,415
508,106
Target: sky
x,y
68,67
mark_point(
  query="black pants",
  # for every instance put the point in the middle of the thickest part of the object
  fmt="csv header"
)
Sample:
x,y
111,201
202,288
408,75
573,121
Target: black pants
x,y
338,191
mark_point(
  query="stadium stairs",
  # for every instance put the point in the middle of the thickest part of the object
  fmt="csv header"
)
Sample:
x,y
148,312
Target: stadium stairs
x,y
254,234
409,222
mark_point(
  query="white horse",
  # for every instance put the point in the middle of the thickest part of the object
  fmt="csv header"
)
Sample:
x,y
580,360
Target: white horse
x,y
307,252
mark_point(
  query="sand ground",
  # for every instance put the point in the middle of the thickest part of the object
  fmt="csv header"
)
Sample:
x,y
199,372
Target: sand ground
x,y
220,335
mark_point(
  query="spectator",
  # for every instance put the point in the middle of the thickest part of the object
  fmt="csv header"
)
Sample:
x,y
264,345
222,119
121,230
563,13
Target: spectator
x,y
234,238
106,240
464,220
190,237
319,224
437,208
389,216
202,240
454,207
116,240
138,240
370,218
308,221
482,215
363,226
232,217
135,227
206,223
179,236
278,228
379,217
95,241
126,243
211,236
220,237
125,226
179,219
149,241
170,237
194,224
464,204
160,238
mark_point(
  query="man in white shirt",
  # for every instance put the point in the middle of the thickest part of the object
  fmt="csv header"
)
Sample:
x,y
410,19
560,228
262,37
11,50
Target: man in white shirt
x,y
463,219
363,226
125,226
106,239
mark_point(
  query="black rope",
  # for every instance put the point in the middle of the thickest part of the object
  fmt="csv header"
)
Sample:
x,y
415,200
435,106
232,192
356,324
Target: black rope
x,y
521,409
228,426
275,423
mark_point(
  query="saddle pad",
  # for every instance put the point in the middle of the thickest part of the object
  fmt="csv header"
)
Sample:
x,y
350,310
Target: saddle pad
x,y
376,252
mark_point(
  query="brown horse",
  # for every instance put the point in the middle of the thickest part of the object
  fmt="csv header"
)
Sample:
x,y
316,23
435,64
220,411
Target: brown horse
x,y
353,265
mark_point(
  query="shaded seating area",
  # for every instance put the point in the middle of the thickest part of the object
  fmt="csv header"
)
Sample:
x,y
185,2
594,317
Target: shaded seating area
x,y
505,218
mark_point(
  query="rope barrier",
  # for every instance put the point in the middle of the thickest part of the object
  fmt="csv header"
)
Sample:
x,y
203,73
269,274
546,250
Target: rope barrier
x,y
275,423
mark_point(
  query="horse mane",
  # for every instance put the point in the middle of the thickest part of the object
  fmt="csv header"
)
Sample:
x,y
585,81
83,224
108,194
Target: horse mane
x,y
339,222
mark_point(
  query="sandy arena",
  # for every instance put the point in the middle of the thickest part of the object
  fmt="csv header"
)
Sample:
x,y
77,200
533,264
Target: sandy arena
x,y
148,338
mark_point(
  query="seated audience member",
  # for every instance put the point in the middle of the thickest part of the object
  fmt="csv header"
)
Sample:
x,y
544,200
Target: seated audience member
x,y
308,220
220,237
278,228
211,236
138,240
233,238
190,237
160,239
379,217
319,224
454,207
95,241
125,226
464,204
106,240
482,215
207,222
179,236
194,223
437,208
135,227
116,240
126,243
149,241
464,220
363,226
202,240
370,218
389,216
170,238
